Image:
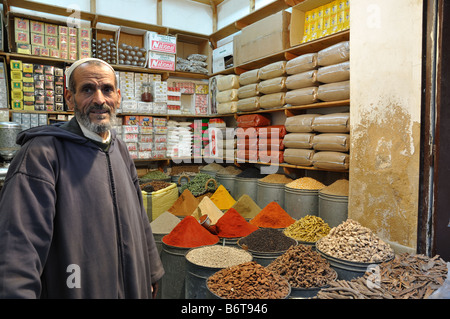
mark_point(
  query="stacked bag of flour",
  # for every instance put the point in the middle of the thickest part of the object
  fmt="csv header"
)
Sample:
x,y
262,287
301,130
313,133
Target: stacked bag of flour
x,y
222,140
272,86
179,139
248,93
322,141
227,93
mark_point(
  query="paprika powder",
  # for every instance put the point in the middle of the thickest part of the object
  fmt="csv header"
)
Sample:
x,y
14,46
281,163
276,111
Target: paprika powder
x,y
272,216
233,225
188,233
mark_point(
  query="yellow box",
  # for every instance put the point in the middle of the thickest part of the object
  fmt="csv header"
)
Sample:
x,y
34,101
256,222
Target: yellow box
x,y
37,27
22,36
17,95
37,39
346,19
63,30
51,29
23,48
29,107
306,33
17,104
16,85
51,42
27,77
16,65
21,24
16,75
27,67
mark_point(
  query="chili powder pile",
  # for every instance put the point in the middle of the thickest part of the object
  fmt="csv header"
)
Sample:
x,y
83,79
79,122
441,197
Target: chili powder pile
x,y
189,233
272,216
233,225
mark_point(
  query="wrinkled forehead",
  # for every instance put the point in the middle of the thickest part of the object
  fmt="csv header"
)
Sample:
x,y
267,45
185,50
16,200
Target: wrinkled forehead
x,y
83,62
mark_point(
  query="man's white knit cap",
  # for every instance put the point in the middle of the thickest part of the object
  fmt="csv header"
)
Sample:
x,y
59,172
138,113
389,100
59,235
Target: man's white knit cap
x,y
76,64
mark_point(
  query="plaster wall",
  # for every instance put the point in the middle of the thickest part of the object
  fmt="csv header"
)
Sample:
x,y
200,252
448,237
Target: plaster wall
x,y
385,89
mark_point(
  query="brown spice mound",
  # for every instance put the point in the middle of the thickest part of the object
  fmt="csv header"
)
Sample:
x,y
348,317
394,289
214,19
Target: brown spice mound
x,y
248,281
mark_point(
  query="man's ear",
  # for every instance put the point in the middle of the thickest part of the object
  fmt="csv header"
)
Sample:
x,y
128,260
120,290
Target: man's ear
x,y
69,96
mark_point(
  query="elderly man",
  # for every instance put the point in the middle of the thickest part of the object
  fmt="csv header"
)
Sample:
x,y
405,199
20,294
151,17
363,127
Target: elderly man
x,y
72,221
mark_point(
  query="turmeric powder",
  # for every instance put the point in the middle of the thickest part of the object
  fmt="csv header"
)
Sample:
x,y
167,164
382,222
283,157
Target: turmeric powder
x,y
222,198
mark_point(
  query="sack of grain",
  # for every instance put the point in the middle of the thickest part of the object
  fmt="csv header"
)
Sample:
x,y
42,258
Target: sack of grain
x,y
298,156
298,140
331,160
302,63
249,77
227,96
334,91
228,82
274,85
332,123
302,80
334,54
300,123
248,104
273,100
227,107
302,96
248,90
336,142
334,73
272,70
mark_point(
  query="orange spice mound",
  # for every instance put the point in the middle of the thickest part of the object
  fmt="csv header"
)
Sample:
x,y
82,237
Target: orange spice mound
x,y
272,216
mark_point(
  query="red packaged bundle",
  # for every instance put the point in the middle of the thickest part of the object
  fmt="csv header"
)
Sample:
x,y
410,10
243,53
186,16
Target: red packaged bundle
x,y
252,120
248,155
268,144
273,130
274,157
247,143
249,132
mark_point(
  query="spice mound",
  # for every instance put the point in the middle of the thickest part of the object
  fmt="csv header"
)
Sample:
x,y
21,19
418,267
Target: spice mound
x,y
267,240
233,225
305,183
272,216
309,229
303,268
154,186
154,175
354,242
276,179
338,188
164,223
246,206
188,233
222,198
248,281
217,256
185,204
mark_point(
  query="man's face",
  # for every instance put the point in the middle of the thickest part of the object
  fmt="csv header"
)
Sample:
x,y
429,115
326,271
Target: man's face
x,y
96,97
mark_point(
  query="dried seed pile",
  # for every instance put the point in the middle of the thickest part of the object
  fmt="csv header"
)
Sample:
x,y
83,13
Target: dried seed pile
x,y
305,183
303,268
309,228
154,186
351,241
248,281
217,256
405,277
267,240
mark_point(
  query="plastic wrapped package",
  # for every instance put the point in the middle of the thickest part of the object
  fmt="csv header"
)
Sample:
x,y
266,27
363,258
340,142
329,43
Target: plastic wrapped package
x,y
227,107
334,91
302,63
248,104
298,156
332,123
249,77
298,140
272,70
228,82
227,96
300,123
252,120
272,131
273,85
273,100
251,155
249,90
337,53
302,96
302,80
336,142
247,143
270,144
270,156
331,160
246,132
334,73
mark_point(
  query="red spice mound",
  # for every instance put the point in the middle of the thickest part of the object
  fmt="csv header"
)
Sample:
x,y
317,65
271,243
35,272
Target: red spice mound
x,y
272,216
232,225
189,233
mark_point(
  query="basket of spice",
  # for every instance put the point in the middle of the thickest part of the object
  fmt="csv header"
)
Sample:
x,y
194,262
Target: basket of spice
x,y
154,175
306,271
200,185
308,230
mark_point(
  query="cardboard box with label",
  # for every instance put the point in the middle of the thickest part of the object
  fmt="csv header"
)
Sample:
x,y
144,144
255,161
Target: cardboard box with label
x,y
222,57
262,38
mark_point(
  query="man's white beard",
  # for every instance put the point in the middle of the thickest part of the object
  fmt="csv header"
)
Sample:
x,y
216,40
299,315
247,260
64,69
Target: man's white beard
x,y
84,119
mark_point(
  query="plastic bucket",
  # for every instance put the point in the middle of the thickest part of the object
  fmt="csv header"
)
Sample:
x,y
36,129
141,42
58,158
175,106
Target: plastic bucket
x,y
301,202
174,262
269,192
346,269
333,209
307,292
196,276
227,181
247,186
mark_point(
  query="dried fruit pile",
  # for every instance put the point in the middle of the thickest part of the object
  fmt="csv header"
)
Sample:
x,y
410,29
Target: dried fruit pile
x,y
303,268
248,281
405,277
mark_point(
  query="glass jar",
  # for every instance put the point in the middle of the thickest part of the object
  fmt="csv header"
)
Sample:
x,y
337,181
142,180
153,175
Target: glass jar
x,y
146,95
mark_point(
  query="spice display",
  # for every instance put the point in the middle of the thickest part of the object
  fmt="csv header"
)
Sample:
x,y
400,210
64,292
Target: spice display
x,y
272,216
185,204
213,167
189,170
305,183
406,276
248,281
251,172
276,179
154,186
233,225
164,223
309,229
246,207
352,241
154,175
189,233
229,170
217,256
303,268
207,207
338,188
267,240
197,185
222,198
